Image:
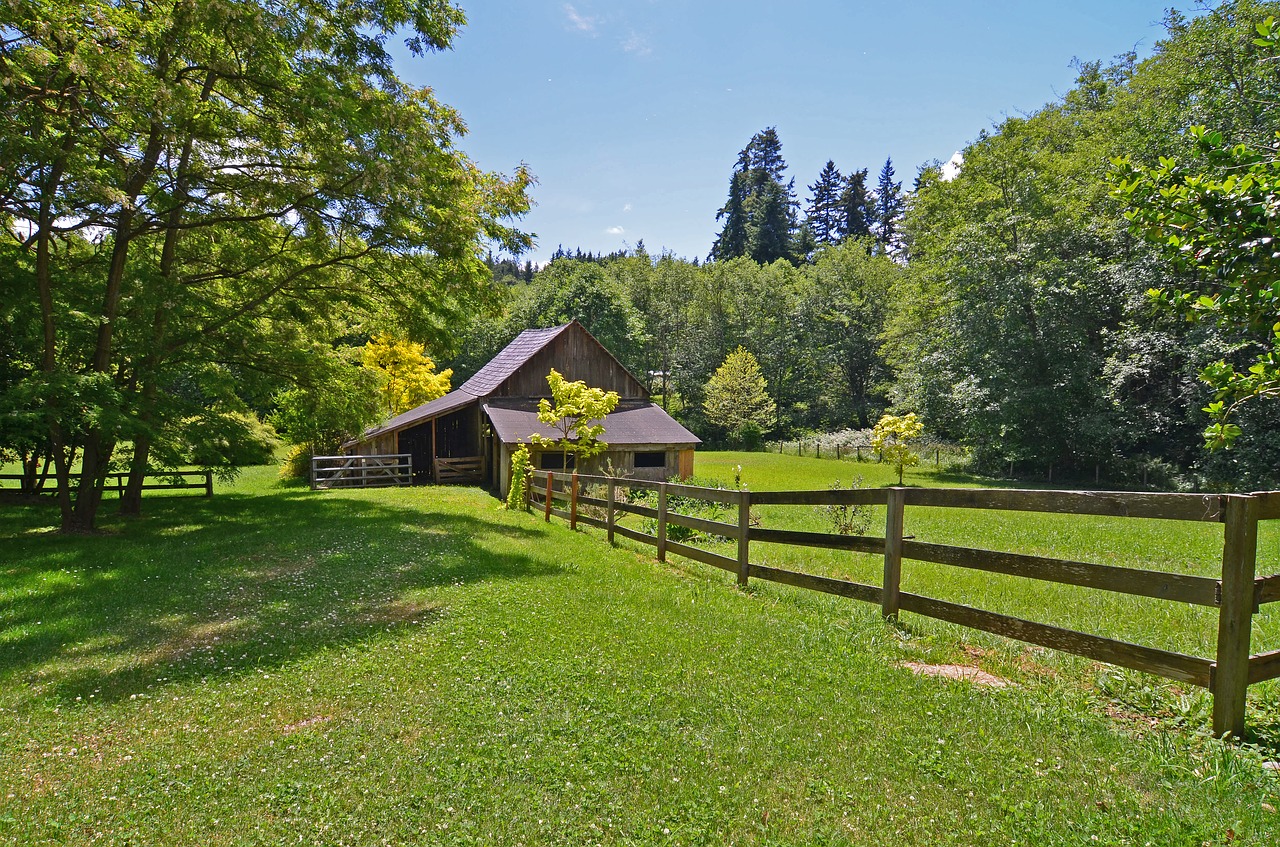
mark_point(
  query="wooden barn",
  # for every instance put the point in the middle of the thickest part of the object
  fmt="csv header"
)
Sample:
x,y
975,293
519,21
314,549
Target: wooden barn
x,y
469,434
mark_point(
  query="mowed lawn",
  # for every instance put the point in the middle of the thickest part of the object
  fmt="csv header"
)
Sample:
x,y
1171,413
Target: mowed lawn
x,y
420,666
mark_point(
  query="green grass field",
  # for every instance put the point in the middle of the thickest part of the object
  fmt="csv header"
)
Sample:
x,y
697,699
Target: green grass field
x,y
420,666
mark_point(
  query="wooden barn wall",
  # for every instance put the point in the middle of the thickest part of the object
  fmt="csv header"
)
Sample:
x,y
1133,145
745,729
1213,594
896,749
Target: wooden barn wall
x,y
577,357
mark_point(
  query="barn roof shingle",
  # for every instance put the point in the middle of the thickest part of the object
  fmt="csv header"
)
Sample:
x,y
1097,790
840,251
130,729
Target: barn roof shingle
x,y
636,422
500,368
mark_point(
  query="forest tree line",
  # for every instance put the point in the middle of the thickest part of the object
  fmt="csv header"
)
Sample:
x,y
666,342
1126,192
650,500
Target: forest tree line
x,y
1008,305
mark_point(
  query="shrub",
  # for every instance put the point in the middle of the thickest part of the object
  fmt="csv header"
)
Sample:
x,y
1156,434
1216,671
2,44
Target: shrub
x,y
521,479
846,519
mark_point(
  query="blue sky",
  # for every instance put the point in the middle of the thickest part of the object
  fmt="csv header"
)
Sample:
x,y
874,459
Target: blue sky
x,y
631,113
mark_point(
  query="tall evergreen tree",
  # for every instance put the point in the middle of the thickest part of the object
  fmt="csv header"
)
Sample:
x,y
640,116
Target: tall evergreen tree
x,y
889,205
773,223
824,213
732,241
760,214
855,211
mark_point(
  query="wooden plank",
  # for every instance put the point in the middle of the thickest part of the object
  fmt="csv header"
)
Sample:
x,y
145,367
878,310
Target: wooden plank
x,y
636,509
590,521
561,513
1199,590
1267,589
611,516
822,497
825,584
1178,666
1264,666
592,501
662,523
714,495
1268,505
724,530
635,535
704,556
1124,504
893,528
1235,615
826,540
573,501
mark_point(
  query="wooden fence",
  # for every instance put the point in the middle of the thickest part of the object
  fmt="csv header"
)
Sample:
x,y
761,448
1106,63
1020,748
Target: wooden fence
x,y
815,448
361,471
1237,595
117,482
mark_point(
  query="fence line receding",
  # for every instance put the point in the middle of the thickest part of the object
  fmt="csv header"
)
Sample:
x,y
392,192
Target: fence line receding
x,y
1238,594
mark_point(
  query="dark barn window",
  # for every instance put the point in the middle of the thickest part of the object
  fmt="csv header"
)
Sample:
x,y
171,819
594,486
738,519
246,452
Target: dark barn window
x,y
651,459
555,462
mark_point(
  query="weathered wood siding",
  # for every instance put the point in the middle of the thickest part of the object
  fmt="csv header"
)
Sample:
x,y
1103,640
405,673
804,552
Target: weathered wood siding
x,y
578,357
380,445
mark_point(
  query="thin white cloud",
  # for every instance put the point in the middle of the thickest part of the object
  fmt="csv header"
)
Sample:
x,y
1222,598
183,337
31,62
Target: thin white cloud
x,y
614,230
951,169
626,208
636,44
579,21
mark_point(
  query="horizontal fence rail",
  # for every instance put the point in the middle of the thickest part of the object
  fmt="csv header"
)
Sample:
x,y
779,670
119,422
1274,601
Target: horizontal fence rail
x,y
1237,595
117,482
359,471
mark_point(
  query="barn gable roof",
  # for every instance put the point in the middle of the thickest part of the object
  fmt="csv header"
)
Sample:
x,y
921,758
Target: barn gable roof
x,y
485,381
513,357
631,423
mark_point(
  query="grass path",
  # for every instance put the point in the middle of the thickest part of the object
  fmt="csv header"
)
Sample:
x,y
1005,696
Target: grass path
x,y
419,666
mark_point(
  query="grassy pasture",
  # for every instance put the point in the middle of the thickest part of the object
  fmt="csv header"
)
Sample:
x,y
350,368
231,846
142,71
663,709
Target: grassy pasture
x,y
1173,546
419,666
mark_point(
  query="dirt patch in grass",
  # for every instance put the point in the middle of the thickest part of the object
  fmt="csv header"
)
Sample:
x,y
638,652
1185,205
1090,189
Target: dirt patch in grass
x,y
964,672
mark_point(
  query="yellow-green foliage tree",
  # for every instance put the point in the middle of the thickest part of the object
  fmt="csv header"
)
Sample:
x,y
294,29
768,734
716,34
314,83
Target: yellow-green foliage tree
x,y
737,398
521,478
577,414
892,439
407,374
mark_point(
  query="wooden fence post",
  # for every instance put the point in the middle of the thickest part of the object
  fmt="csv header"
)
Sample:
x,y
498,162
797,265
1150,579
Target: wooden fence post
x,y
892,553
1230,674
547,511
744,536
208,483
662,522
573,501
609,511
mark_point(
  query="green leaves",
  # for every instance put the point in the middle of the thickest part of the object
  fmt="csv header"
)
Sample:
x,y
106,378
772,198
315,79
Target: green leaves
x,y
578,412
737,399
1219,224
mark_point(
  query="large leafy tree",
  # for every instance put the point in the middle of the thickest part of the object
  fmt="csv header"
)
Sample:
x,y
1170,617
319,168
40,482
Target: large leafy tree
x,y
249,171
406,374
1219,218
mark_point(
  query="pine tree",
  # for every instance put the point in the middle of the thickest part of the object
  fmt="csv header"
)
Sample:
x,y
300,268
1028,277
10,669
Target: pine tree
x,y
774,223
824,213
889,204
732,241
760,214
855,214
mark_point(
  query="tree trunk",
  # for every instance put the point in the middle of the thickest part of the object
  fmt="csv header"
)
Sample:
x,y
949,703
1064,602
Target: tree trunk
x,y
131,497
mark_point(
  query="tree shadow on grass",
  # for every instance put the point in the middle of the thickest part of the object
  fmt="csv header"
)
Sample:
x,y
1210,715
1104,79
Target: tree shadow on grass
x,y
204,588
